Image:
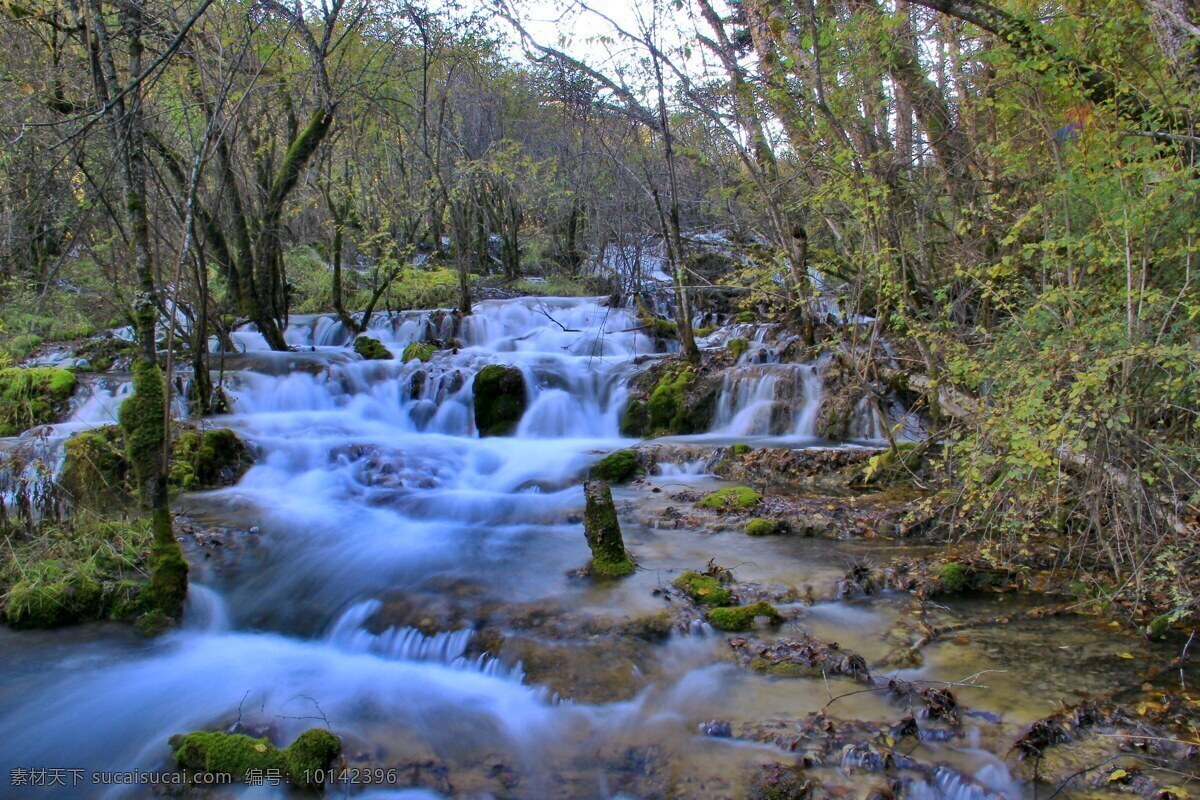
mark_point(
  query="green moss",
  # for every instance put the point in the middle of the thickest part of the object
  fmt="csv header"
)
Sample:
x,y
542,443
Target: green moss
x,y
765,527
500,399
141,419
421,351
733,498
207,459
313,751
635,419
667,407
737,347
616,467
95,471
603,531
1159,626
704,589
745,318
87,569
235,754
371,349
953,576
741,618
31,396
701,333
741,449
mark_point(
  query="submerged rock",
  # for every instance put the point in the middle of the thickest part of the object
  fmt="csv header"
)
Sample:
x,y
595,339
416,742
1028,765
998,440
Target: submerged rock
x,y
603,531
500,399
31,396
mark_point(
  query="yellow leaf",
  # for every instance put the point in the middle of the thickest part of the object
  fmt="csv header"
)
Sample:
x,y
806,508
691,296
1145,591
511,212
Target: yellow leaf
x,y
888,740
1117,774
1124,655
262,748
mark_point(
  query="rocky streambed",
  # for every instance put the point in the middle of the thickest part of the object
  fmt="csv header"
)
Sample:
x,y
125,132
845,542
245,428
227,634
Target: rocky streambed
x,y
789,630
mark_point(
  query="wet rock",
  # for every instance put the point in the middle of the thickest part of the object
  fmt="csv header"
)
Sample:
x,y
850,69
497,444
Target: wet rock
x,y
421,351
782,782
789,469
235,754
741,618
733,498
704,589
208,459
372,349
616,467
500,399
803,656
603,531
672,397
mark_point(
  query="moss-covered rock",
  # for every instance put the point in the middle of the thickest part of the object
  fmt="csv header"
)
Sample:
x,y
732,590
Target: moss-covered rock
x,y
208,459
603,531
87,569
705,590
616,467
31,396
421,351
737,347
500,399
741,618
760,526
667,407
952,576
733,498
745,318
741,449
95,471
235,754
636,419
371,349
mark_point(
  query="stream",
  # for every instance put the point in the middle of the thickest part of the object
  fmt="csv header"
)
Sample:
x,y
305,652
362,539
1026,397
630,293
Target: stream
x,y
377,532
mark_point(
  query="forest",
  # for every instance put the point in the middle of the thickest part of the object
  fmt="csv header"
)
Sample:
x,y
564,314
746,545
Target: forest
x,y
334,332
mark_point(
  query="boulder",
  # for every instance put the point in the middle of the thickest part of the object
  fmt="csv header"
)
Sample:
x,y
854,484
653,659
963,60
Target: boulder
x,y
500,399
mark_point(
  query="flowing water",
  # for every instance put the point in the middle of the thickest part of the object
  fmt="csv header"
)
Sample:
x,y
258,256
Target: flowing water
x,y
373,493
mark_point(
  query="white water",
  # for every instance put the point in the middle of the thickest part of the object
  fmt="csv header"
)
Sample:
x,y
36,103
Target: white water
x,y
372,481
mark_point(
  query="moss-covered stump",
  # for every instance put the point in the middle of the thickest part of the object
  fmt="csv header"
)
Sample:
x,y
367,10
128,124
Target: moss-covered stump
x,y
603,531
733,498
95,471
705,590
616,467
208,459
234,754
31,396
500,399
372,349
420,351
741,618
84,570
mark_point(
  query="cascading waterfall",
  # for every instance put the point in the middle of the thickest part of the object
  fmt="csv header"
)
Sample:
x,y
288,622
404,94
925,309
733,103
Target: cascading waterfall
x,y
372,482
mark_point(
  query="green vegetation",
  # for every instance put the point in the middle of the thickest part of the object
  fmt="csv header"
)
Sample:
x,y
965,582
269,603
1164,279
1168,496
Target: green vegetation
x,y
207,459
616,467
737,347
765,527
32,396
741,618
703,589
667,407
421,351
371,349
741,449
86,569
234,754
500,399
603,532
95,471
952,576
732,498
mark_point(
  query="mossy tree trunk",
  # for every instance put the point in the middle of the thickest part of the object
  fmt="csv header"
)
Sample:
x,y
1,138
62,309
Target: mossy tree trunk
x,y
144,416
